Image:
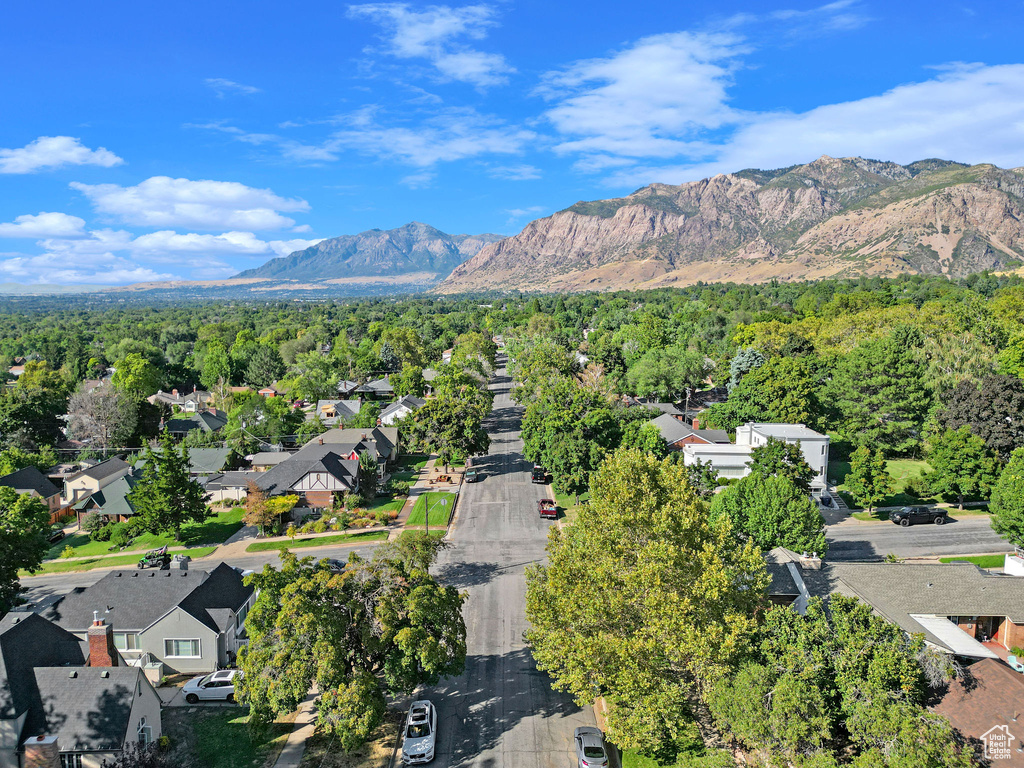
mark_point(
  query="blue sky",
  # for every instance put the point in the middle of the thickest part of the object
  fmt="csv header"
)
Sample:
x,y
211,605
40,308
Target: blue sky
x,y
192,140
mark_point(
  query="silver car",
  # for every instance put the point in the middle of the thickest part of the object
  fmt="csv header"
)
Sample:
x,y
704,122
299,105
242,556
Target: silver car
x,y
590,751
420,733
218,686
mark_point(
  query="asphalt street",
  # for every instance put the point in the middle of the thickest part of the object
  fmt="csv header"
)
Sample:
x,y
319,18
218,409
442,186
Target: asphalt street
x,y
501,712
873,541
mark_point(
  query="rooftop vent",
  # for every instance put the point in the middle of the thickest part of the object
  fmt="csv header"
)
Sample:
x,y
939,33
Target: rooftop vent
x,y
72,674
105,674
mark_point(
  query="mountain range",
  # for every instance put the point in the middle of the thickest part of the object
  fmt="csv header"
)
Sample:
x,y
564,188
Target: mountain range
x,y
834,217
415,249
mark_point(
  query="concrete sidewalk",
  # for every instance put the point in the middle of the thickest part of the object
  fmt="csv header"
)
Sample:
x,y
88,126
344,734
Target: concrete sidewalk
x,y
295,747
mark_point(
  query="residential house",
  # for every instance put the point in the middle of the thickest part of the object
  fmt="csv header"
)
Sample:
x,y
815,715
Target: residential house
x,y
347,387
403,407
959,608
731,459
382,442
33,482
670,408
270,391
429,374
188,402
376,389
191,621
68,700
203,462
261,462
228,485
210,420
984,705
92,479
335,412
110,502
678,434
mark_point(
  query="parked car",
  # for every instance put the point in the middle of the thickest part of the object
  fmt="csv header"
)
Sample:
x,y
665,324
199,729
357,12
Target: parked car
x,y
547,508
540,475
56,534
909,515
334,566
420,733
472,475
217,686
590,751
156,558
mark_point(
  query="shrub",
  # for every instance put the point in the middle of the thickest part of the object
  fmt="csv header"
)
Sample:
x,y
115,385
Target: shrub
x,y
383,517
92,523
68,551
121,535
104,532
915,488
320,526
1018,652
398,487
393,514
291,531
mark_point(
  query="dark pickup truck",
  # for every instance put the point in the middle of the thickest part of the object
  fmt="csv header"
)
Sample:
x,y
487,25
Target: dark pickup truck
x,y
909,515
540,475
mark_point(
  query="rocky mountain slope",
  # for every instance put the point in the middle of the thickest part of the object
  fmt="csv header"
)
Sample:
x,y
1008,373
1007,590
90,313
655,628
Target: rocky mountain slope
x,y
832,217
415,249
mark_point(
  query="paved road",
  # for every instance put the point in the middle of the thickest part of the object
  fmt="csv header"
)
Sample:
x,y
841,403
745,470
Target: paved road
x,y
873,541
501,712
41,587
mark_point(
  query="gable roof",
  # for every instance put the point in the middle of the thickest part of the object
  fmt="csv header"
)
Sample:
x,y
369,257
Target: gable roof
x,y
89,707
330,458
30,479
112,499
269,458
130,600
219,597
673,430
377,386
27,640
385,438
207,421
219,481
408,402
103,470
207,460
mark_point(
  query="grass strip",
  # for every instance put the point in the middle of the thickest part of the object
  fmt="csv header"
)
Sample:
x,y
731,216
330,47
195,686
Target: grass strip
x,y
70,566
440,505
982,561
317,541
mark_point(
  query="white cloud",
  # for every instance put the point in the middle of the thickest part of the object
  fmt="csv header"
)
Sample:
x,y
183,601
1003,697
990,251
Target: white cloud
x,y
418,180
44,225
970,113
169,244
517,214
434,34
102,269
161,201
453,134
54,152
222,87
515,172
653,99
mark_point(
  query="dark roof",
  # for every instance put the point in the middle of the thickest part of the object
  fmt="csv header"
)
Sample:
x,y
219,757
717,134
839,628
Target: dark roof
x,y
104,469
88,707
27,640
130,600
987,696
377,386
221,480
207,421
673,430
330,458
269,458
219,597
783,584
207,460
30,479
386,438
409,401
112,499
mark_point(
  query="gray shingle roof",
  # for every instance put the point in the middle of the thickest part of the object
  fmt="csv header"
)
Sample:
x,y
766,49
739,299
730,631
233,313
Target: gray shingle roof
x,y
408,401
89,707
269,458
112,499
221,480
386,438
330,457
217,599
129,600
104,469
28,641
207,460
30,479
204,420
673,430
896,590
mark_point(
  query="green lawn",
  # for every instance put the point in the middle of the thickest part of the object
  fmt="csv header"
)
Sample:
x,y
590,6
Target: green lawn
x,y
67,566
982,561
439,512
214,530
413,461
901,470
567,503
317,541
220,737
434,533
405,476
387,505
953,512
711,759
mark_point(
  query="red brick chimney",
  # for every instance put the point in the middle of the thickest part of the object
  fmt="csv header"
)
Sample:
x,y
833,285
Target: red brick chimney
x,y
696,423
102,652
174,392
42,752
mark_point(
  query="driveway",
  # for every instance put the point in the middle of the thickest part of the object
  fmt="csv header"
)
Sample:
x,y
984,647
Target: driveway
x,y
873,541
501,712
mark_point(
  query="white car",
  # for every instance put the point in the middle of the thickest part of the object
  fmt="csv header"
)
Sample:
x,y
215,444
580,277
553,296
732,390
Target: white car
x,y
420,733
217,686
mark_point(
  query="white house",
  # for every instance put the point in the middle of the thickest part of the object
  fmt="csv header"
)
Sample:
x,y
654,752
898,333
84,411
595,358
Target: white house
x,y
730,459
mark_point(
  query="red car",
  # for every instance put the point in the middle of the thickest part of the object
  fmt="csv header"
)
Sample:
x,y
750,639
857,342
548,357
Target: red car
x,y
547,508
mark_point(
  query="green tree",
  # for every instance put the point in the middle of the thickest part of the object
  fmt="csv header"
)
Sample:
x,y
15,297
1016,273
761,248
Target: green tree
x,y
777,458
258,511
742,363
994,411
666,373
264,367
1011,358
409,382
772,511
368,477
1007,501
24,521
136,377
869,481
215,374
452,427
13,459
165,498
32,411
369,414
316,377
703,477
645,437
782,390
644,600
961,465
380,629
879,394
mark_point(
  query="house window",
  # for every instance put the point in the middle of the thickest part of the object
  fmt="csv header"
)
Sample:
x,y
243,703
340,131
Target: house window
x,y
72,760
242,613
145,732
126,641
182,649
